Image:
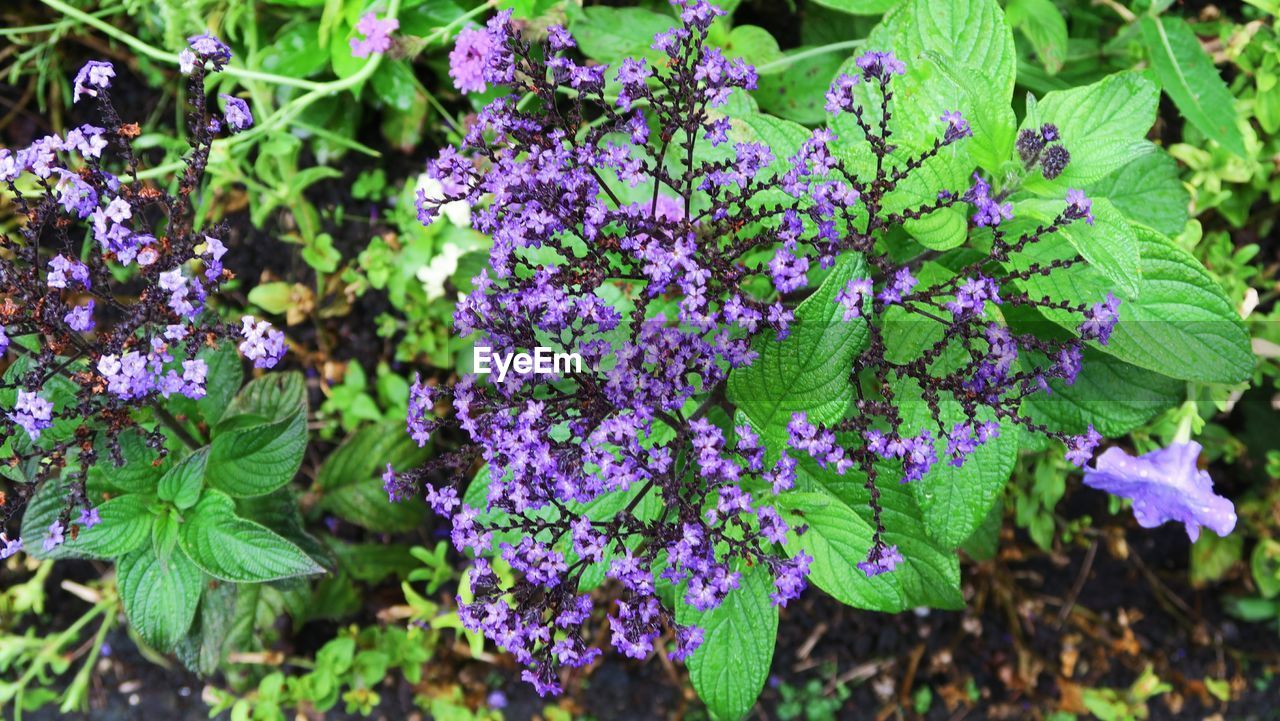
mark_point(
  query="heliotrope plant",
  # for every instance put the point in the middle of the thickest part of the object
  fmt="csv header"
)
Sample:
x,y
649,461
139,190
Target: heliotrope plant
x,y
125,437
645,217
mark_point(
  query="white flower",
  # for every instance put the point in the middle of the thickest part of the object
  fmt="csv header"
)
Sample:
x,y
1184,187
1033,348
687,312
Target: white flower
x,y
458,212
434,274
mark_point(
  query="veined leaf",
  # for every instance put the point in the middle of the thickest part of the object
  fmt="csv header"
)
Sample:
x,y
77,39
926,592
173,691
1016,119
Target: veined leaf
x,y
1188,76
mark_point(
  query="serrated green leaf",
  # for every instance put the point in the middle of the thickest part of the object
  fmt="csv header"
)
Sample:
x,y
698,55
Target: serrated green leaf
x,y
809,370
796,92
350,481
839,530
1188,76
126,525
970,33
257,460
1042,24
1147,191
232,549
1103,125
141,470
183,483
729,669
159,598
273,397
954,501
1114,396
1109,245
1180,325
609,34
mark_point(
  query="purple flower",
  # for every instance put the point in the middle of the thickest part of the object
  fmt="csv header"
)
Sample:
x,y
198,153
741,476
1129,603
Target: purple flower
x,y
237,114
9,546
902,284
376,35
957,127
1100,320
421,416
471,55
89,517
1165,485
853,297
262,344
397,487
1080,448
880,559
880,65
88,140
4,340
206,48
95,75
33,413
55,537
80,319
990,212
1079,206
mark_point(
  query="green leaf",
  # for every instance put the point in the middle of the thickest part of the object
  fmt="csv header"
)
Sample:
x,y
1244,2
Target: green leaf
x,y
274,397
1180,325
1109,245
257,460
295,52
1114,396
184,482
860,7
809,370
839,530
159,598
1147,191
141,470
954,501
126,525
1212,556
796,92
1103,125
611,34
350,481
275,298
232,549
729,669
1043,25
969,33
753,44
1264,564
1188,76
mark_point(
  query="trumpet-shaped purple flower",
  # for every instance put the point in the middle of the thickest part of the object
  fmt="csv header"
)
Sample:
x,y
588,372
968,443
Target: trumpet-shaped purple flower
x,y
1164,485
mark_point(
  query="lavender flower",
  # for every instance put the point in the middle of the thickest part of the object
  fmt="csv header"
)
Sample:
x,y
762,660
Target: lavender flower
x,y
376,35
549,182
262,344
9,546
119,344
237,114
95,75
55,536
1165,485
469,59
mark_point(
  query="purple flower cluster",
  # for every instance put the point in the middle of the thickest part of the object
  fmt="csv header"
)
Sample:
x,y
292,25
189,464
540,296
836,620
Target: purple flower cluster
x,y
604,246
99,331
375,35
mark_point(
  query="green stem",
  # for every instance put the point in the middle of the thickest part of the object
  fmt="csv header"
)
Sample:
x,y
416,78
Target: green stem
x,y
156,54
176,426
806,54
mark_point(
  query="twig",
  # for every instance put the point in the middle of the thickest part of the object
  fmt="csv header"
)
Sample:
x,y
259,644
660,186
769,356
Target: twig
x,y
1085,568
